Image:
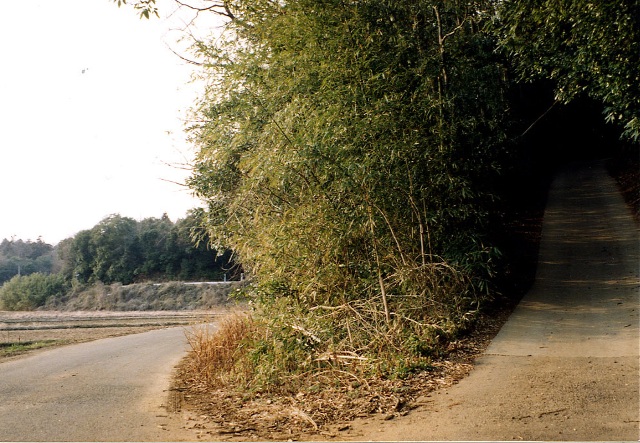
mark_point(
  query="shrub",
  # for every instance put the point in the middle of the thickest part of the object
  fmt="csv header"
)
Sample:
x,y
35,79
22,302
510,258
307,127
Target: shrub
x,y
28,292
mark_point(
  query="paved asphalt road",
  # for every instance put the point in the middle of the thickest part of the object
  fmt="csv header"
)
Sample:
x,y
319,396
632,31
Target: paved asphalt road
x,y
106,390
565,365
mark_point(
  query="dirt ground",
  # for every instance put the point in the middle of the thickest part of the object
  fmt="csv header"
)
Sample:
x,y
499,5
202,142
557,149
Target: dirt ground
x,y
224,416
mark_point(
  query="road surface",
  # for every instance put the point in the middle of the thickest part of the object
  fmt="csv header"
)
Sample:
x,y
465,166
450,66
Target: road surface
x,y
565,365
105,390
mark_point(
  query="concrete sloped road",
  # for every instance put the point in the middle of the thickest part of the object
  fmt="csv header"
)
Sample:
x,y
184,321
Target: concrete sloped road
x,y
106,390
565,365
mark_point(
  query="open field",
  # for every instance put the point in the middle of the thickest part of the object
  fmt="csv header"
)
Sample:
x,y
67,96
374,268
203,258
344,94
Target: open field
x,y
27,331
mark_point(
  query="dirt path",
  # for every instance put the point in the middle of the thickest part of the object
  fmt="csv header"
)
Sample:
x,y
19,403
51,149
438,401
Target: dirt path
x,y
565,365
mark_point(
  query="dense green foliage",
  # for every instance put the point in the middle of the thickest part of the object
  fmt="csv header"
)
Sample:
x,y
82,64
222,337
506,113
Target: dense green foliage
x,y
351,152
117,250
586,48
26,292
120,249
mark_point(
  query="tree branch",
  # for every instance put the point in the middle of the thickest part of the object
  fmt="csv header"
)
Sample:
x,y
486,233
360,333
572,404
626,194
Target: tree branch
x,y
215,7
540,118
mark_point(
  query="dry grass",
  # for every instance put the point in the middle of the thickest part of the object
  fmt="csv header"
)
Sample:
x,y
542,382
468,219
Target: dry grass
x,y
329,389
217,349
148,297
245,395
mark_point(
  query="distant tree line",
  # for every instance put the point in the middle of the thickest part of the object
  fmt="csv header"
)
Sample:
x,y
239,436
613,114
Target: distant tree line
x,y
121,249
19,257
116,250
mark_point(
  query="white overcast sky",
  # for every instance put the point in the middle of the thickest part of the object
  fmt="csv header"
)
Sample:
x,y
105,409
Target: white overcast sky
x,y
91,109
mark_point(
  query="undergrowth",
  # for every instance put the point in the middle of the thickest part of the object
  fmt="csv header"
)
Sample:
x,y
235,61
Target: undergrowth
x,y
280,371
283,347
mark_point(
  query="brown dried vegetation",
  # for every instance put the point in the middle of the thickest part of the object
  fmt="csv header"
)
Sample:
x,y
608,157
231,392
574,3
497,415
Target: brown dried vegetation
x,y
218,384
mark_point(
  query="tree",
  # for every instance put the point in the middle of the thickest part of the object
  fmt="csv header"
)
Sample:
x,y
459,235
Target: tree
x,y
154,238
586,48
79,257
117,255
347,153
195,258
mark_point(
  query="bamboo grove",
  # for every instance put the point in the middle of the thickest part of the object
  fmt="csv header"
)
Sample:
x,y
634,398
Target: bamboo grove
x,y
350,152
346,154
